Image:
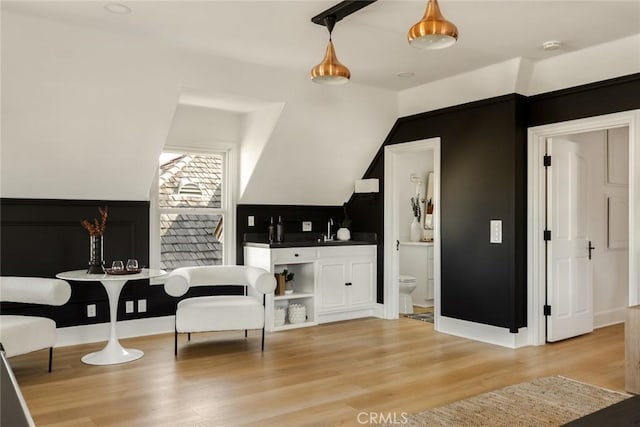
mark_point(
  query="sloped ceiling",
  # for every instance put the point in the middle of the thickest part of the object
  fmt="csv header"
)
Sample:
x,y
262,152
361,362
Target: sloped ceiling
x,y
87,112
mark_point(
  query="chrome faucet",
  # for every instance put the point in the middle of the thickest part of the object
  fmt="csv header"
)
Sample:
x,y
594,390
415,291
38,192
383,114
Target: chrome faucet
x,y
329,237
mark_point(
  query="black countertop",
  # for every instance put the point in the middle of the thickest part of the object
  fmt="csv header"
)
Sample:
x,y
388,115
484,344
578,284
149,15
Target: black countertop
x,y
298,240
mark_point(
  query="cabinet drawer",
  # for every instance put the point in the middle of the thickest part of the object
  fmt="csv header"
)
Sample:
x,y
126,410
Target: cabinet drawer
x,y
293,255
346,251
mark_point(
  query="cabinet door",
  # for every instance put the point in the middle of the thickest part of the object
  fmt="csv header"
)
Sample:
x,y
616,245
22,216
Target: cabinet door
x,y
332,292
430,275
362,288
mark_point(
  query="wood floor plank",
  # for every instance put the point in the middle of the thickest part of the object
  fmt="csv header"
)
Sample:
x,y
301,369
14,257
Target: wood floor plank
x,y
324,375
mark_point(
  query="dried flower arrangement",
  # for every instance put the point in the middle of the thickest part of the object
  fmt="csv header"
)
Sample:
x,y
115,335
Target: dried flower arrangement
x,y
96,228
415,205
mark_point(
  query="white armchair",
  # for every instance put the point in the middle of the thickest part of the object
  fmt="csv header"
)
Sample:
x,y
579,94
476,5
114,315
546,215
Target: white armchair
x,y
24,334
220,312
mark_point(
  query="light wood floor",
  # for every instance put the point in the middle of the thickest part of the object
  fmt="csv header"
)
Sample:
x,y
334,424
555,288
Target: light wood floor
x,y
324,375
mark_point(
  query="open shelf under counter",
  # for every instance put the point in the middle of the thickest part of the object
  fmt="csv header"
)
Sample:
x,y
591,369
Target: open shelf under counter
x,y
421,243
295,295
293,326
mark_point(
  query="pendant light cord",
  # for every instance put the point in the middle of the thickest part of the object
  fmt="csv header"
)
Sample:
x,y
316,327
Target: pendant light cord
x,y
330,22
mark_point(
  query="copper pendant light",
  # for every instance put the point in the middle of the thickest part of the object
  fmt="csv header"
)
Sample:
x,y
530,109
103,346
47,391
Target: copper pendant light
x,y
330,71
433,31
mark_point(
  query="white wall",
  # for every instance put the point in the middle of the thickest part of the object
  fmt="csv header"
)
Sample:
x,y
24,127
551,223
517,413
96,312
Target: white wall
x,y
196,126
610,266
94,109
85,113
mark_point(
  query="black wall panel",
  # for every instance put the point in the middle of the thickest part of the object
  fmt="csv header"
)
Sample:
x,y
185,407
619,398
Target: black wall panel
x,y
44,237
596,99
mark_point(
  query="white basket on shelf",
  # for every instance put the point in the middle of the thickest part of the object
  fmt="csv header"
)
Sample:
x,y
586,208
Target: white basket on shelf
x,y
297,313
279,315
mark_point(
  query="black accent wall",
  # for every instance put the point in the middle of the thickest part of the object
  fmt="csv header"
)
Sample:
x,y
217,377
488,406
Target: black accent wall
x,y
44,237
483,169
483,166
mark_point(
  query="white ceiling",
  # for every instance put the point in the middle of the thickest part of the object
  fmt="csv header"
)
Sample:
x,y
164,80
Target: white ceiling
x,y
371,42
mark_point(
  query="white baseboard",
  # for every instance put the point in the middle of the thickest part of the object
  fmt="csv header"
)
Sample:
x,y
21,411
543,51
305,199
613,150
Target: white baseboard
x,y
609,317
84,334
346,315
483,333
379,311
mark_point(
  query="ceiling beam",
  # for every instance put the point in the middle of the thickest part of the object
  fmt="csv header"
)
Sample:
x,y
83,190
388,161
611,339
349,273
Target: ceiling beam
x,y
341,10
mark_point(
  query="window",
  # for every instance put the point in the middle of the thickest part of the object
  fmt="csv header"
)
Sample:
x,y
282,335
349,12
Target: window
x,y
192,207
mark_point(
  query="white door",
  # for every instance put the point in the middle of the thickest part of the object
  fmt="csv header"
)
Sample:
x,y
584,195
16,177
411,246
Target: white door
x,y
569,270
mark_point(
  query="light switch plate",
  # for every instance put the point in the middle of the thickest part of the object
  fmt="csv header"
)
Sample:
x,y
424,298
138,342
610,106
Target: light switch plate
x,y
129,307
142,305
496,231
306,225
251,221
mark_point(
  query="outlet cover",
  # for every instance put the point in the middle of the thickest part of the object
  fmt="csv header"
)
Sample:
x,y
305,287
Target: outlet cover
x,y
496,231
306,225
251,221
142,305
128,308
91,310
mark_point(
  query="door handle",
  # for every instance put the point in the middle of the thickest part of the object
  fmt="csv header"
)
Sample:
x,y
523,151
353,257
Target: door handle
x,y
348,284
590,249
397,244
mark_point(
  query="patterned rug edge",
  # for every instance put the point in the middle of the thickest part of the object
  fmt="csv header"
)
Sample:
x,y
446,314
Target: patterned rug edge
x,y
550,401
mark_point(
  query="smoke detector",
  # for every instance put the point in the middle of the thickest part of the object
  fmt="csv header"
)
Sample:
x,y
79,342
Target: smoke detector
x,y
551,45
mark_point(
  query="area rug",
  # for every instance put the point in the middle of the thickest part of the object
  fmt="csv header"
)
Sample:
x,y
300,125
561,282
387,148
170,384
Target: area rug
x,y
548,401
425,317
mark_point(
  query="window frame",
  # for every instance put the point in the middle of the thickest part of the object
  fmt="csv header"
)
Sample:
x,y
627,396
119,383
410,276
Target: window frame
x,y
227,208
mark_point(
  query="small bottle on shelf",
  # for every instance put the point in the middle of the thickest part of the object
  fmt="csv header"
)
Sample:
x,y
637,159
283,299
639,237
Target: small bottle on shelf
x,y
280,230
272,231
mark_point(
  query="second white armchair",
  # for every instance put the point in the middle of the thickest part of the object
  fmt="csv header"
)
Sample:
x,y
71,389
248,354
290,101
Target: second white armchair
x,y
220,312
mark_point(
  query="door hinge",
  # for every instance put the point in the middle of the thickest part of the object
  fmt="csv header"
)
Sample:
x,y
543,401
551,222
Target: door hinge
x,y
547,310
547,235
547,160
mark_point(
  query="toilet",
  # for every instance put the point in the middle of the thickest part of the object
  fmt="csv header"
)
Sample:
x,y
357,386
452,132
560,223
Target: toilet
x,y
406,284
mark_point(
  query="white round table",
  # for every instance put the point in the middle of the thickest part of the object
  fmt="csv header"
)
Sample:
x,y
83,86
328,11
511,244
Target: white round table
x,y
113,352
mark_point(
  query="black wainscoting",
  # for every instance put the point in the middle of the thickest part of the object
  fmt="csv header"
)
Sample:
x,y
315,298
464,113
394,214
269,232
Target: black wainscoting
x,y
44,237
292,215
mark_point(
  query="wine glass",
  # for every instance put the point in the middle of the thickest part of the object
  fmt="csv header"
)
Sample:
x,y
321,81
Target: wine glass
x,y
132,264
117,266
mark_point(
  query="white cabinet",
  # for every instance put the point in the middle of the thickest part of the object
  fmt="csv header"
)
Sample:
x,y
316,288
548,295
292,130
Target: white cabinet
x,y
346,283
429,293
332,282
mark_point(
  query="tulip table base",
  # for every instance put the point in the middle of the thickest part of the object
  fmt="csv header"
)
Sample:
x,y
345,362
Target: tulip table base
x,y
113,353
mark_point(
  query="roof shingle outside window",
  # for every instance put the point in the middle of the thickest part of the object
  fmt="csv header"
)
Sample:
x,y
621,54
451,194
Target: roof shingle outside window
x,y
190,239
201,171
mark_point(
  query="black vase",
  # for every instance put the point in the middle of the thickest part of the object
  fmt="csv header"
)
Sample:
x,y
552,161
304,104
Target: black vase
x,y
96,262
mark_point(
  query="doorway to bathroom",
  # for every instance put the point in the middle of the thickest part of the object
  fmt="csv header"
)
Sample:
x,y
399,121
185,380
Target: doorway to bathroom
x,y
411,226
